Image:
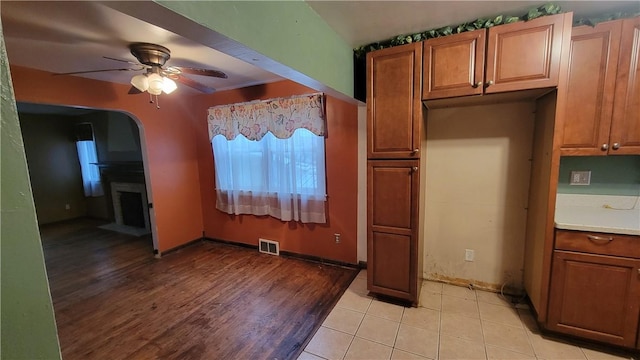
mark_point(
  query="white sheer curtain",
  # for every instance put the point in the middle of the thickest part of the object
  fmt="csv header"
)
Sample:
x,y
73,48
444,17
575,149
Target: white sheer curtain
x,y
283,178
90,172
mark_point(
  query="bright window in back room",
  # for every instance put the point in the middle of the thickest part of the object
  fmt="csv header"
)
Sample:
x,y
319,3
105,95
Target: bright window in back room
x,y
88,158
269,158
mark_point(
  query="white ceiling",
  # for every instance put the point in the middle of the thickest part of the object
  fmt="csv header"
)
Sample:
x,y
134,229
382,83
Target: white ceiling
x,y
59,36
364,22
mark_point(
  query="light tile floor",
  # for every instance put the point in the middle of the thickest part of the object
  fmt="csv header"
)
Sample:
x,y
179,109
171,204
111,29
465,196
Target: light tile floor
x,y
451,323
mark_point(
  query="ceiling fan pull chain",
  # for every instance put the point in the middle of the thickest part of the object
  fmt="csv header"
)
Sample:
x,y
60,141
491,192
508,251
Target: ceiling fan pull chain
x,y
150,98
157,103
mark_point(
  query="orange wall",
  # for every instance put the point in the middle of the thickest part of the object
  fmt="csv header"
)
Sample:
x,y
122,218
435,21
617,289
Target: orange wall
x,y
180,162
341,165
172,156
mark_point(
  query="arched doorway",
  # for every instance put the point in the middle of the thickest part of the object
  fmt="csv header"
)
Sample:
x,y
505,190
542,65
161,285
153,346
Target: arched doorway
x,y
124,199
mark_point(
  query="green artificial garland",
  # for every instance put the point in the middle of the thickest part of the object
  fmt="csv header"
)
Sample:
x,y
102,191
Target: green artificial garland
x,y
593,21
547,9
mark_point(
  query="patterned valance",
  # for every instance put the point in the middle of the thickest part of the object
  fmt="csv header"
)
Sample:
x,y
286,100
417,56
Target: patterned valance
x,y
280,116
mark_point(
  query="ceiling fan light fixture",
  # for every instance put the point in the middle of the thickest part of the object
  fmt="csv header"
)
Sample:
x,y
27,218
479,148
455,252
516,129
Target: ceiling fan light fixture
x,y
156,84
140,82
168,85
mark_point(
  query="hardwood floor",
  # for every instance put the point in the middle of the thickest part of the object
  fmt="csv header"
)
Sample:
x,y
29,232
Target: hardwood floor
x,y
114,300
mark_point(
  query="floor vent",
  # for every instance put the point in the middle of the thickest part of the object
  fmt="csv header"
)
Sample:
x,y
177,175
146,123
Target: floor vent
x,y
269,247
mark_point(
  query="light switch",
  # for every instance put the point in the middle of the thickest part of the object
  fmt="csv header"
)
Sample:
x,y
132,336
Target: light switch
x,y
580,178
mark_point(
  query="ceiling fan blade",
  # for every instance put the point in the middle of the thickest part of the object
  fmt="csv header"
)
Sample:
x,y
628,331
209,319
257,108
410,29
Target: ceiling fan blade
x,y
193,84
134,90
95,71
203,72
124,61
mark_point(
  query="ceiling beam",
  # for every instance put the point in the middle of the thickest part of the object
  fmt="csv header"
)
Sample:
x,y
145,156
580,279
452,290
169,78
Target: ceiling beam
x,y
285,38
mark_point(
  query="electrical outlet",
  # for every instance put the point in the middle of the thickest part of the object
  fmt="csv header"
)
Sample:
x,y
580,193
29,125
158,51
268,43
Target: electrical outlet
x,y
580,178
337,236
67,206
469,254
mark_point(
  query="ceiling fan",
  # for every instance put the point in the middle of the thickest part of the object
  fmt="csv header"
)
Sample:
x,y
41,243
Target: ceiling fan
x,y
156,78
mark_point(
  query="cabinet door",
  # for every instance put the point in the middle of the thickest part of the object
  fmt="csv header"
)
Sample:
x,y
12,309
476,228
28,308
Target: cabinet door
x,y
526,55
595,297
454,65
625,129
587,111
392,228
394,109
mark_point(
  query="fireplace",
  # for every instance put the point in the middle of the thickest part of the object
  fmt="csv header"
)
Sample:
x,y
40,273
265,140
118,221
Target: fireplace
x,y
130,204
132,210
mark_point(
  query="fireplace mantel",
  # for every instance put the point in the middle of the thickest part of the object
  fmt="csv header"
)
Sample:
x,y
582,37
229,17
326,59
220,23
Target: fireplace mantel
x,y
125,166
121,171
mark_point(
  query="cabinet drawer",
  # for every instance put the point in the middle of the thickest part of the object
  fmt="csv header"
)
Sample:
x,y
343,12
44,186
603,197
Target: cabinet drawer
x,y
598,243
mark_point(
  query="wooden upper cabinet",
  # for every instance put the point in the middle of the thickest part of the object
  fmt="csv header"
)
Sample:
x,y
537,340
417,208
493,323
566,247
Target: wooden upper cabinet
x,y
518,56
454,65
625,126
600,113
394,109
526,55
585,115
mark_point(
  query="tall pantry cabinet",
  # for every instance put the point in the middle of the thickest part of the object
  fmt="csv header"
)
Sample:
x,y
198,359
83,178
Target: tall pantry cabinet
x,y
394,136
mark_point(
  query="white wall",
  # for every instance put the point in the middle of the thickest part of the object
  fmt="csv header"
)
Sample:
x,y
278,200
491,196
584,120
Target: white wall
x,y
478,167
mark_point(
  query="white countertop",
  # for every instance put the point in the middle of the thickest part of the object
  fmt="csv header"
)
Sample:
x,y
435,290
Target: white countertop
x,y
598,213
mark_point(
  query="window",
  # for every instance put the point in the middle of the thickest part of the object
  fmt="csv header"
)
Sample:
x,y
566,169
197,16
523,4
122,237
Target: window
x,y
90,172
260,173
276,177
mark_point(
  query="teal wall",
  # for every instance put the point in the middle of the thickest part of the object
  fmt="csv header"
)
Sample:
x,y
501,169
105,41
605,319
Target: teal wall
x,y
610,175
28,328
289,32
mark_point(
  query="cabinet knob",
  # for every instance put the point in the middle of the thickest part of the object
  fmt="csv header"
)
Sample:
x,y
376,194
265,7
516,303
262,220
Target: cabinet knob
x,y
615,146
414,169
489,83
479,83
604,147
415,151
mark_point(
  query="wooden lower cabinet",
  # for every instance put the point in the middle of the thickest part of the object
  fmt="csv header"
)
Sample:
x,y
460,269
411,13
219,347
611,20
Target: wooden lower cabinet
x,y
392,242
595,297
391,254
